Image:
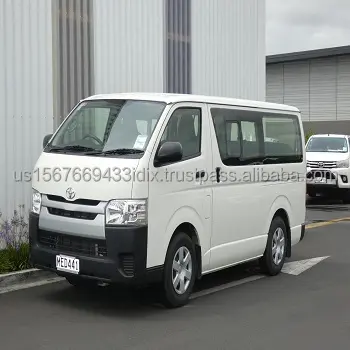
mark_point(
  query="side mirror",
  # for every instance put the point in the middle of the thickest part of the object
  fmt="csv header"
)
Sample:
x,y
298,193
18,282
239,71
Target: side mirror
x,y
169,152
46,140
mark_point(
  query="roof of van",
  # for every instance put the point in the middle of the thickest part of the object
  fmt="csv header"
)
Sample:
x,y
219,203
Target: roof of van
x,y
175,98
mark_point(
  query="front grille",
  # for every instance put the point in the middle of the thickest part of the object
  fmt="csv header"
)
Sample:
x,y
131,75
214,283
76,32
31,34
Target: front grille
x,y
320,164
72,214
313,174
72,244
127,264
90,202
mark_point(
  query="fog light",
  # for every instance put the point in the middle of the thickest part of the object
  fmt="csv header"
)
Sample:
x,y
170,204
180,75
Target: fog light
x,y
344,178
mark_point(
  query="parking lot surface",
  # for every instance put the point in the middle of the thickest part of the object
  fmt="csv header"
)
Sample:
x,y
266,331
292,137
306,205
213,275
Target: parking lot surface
x,y
305,307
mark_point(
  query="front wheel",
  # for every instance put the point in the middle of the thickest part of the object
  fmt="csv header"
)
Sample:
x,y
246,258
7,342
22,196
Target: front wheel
x,y
179,271
276,247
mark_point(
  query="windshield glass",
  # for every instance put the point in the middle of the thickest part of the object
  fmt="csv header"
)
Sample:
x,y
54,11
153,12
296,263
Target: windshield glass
x,y
327,144
105,125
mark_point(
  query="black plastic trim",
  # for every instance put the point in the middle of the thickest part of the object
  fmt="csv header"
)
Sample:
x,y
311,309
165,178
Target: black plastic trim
x,y
120,241
302,232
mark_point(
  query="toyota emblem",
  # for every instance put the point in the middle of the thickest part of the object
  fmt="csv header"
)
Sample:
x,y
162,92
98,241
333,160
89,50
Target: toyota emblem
x,y
320,164
70,193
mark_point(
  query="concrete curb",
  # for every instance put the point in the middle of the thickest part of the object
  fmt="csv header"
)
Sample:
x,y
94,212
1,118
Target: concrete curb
x,y
25,277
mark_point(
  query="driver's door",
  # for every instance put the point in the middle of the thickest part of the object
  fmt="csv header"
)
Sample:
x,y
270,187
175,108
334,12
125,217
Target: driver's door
x,y
176,196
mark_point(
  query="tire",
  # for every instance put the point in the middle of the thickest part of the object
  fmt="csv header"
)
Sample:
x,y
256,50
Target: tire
x,y
267,263
346,197
172,298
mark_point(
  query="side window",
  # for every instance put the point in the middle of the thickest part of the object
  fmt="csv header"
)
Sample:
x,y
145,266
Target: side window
x,y
237,136
282,138
247,137
184,126
250,145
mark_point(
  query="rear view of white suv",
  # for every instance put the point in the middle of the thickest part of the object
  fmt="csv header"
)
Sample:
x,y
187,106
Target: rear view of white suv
x,y
328,171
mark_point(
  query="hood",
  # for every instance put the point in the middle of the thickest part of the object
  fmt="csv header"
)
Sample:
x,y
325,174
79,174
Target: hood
x,y
55,173
326,156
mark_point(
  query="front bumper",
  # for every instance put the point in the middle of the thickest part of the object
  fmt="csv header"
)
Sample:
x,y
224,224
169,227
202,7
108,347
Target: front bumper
x,y
120,258
328,178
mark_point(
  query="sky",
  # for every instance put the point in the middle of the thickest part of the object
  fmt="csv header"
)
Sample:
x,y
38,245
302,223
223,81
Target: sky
x,y
298,25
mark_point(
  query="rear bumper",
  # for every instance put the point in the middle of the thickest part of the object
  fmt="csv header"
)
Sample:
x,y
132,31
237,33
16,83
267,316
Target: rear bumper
x,y
302,235
120,258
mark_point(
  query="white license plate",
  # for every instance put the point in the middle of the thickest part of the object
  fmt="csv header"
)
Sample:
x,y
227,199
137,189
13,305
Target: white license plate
x,y
321,180
67,264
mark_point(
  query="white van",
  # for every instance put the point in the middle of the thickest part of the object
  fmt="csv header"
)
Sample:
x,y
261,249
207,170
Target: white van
x,y
328,166
163,188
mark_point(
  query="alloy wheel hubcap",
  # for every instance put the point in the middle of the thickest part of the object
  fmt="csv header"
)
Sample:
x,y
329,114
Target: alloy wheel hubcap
x,y
278,246
182,270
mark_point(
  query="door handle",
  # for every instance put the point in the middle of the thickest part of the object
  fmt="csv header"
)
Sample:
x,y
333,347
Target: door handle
x,y
218,174
200,174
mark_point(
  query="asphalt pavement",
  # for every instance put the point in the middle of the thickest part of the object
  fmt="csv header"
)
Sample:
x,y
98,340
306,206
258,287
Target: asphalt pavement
x,y
235,309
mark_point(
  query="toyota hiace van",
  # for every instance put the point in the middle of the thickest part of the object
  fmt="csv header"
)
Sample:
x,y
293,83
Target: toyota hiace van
x,y
163,189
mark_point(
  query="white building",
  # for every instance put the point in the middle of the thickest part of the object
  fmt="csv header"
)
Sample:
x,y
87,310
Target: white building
x,y
55,52
317,82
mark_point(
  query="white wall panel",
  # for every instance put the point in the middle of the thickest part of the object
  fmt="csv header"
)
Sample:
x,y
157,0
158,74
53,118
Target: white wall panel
x,y
26,113
228,48
129,45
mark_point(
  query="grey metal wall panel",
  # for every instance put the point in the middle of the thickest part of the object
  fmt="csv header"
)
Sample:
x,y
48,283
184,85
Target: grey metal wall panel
x,y
73,37
26,95
129,45
178,46
323,89
274,83
343,88
324,127
228,48
296,86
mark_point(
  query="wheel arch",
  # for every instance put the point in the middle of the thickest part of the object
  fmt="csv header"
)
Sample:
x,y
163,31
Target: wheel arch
x,y
282,208
190,230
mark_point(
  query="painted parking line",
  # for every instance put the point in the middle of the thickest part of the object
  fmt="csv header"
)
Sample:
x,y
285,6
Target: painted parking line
x,y
326,223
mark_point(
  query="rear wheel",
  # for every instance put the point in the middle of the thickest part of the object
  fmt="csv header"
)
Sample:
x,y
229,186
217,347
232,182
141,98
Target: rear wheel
x,y
276,247
179,271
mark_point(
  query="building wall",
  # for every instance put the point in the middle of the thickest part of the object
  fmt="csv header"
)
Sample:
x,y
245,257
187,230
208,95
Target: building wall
x,y
128,45
55,52
26,95
320,88
73,47
228,48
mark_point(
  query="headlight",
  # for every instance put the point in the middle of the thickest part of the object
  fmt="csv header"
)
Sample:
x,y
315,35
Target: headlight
x,y
343,164
126,212
36,202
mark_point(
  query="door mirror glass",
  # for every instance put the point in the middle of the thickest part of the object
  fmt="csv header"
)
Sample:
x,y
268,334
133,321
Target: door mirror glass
x,y
46,140
169,152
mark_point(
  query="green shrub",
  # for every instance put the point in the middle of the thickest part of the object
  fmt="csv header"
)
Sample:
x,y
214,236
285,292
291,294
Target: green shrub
x,y
14,236
15,259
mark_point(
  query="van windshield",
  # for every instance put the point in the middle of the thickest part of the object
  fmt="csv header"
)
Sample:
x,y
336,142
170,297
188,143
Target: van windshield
x,y
101,127
327,144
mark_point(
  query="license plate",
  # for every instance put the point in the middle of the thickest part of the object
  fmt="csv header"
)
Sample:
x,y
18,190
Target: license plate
x,y
67,264
320,180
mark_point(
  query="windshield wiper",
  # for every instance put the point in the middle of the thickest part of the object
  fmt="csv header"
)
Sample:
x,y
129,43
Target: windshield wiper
x,y
77,148
116,151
